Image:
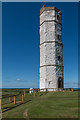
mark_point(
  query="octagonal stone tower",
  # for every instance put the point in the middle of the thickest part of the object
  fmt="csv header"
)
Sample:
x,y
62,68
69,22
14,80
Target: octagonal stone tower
x,y
51,49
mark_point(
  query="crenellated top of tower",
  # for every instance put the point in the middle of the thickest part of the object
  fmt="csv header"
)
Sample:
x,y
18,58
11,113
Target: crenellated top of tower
x,y
49,8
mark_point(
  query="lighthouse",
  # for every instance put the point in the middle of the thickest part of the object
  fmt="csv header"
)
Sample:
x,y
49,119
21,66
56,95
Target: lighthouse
x,y
51,49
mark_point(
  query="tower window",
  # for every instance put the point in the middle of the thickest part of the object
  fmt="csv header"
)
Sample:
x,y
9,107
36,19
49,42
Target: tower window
x,y
58,36
49,82
57,17
58,57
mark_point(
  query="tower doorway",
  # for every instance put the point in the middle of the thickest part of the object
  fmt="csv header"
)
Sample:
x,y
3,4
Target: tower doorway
x,y
60,82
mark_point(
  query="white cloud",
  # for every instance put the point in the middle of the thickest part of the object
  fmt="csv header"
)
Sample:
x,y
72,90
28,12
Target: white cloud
x,y
18,79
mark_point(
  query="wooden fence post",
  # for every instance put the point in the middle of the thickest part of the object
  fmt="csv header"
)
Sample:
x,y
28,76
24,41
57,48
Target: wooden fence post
x,y
34,92
39,91
10,99
72,90
0,103
14,99
24,93
22,98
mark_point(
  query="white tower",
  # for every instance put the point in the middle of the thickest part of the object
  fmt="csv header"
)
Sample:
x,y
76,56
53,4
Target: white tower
x,y
51,48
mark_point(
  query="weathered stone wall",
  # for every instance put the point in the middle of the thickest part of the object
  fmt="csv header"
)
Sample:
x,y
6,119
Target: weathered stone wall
x,y
47,32
51,49
47,54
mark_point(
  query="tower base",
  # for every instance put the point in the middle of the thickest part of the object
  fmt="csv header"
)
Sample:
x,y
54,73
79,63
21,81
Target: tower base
x,y
51,89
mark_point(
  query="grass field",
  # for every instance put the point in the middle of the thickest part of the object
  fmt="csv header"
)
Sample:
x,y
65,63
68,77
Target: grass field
x,y
45,105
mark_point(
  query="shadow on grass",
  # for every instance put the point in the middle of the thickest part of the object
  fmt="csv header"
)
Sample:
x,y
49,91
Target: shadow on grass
x,y
8,102
16,105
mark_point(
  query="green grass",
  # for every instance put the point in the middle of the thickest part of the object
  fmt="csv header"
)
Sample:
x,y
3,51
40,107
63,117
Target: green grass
x,y
50,105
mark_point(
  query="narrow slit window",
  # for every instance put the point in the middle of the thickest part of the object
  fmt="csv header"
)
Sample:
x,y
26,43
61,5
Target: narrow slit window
x,y
57,17
49,82
58,57
58,36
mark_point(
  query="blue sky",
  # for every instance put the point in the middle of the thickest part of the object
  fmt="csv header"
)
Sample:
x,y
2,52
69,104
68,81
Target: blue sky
x,y
20,43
